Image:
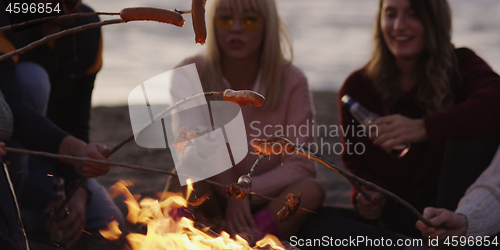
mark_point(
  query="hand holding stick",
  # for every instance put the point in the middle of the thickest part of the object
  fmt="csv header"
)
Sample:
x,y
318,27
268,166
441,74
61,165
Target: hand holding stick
x,y
280,145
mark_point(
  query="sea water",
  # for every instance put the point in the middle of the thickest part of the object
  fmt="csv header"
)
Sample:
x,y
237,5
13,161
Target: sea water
x,y
331,39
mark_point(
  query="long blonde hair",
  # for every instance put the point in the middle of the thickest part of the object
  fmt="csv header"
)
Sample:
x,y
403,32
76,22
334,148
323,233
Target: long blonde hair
x,y
438,75
275,47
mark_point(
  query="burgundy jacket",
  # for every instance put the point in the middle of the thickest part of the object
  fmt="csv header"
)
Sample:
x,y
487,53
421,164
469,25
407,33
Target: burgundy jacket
x,y
414,177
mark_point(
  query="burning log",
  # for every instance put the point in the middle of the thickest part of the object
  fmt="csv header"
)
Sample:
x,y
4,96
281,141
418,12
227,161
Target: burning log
x,y
290,208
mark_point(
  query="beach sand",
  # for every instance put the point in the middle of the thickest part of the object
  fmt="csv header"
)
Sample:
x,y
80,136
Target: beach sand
x,y
109,125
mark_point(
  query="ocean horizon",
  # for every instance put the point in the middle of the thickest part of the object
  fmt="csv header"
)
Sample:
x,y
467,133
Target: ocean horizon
x,y
331,38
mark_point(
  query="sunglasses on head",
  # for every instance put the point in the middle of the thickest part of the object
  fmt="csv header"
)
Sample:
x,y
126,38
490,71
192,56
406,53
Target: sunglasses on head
x,y
249,22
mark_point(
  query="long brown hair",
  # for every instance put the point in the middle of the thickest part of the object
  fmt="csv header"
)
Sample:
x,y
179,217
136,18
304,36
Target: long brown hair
x,y
438,70
276,49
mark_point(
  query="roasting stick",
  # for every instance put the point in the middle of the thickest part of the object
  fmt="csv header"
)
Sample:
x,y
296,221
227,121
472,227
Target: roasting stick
x,y
127,14
266,147
161,115
348,175
352,181
152,170
183,11
58,35
241,97
50,18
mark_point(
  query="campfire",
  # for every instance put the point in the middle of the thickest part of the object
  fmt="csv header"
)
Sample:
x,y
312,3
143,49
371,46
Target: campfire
x,y
171,226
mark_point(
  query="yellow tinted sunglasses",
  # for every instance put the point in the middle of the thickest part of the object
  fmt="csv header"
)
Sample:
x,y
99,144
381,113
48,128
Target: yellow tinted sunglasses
x,y
249,22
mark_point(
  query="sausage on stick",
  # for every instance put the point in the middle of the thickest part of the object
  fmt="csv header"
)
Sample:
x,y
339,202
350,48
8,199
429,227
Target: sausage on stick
x,y
198,16
152,14
244,97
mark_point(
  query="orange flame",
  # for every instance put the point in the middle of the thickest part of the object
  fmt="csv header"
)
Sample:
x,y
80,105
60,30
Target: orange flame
x,y
167,229
113,232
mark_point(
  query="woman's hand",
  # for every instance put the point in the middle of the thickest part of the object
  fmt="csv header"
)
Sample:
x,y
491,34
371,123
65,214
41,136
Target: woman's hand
x,y
239,219
372,209
396,130
443,223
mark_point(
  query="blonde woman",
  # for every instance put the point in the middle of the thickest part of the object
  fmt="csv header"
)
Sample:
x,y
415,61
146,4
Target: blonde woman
x,y
246,48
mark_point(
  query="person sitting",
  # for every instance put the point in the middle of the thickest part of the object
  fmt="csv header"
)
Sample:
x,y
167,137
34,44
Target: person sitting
x,y
431,96
51,68
245,51
427,91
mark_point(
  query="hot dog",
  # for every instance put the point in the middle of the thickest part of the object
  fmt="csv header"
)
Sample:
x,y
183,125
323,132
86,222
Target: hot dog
x,y
152,14
237,191
198,16
290,208
244,97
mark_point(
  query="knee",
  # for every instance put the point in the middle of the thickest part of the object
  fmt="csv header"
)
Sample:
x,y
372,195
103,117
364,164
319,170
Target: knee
x,y
313,192
35,82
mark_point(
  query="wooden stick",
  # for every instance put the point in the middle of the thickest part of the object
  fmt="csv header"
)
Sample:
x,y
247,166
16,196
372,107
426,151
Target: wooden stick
x,y
50,18
161,115
252,168
352,181
350,176
152,170
57,35
183,11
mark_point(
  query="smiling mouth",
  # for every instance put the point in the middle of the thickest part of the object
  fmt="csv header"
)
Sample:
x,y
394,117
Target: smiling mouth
x,y
402,38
